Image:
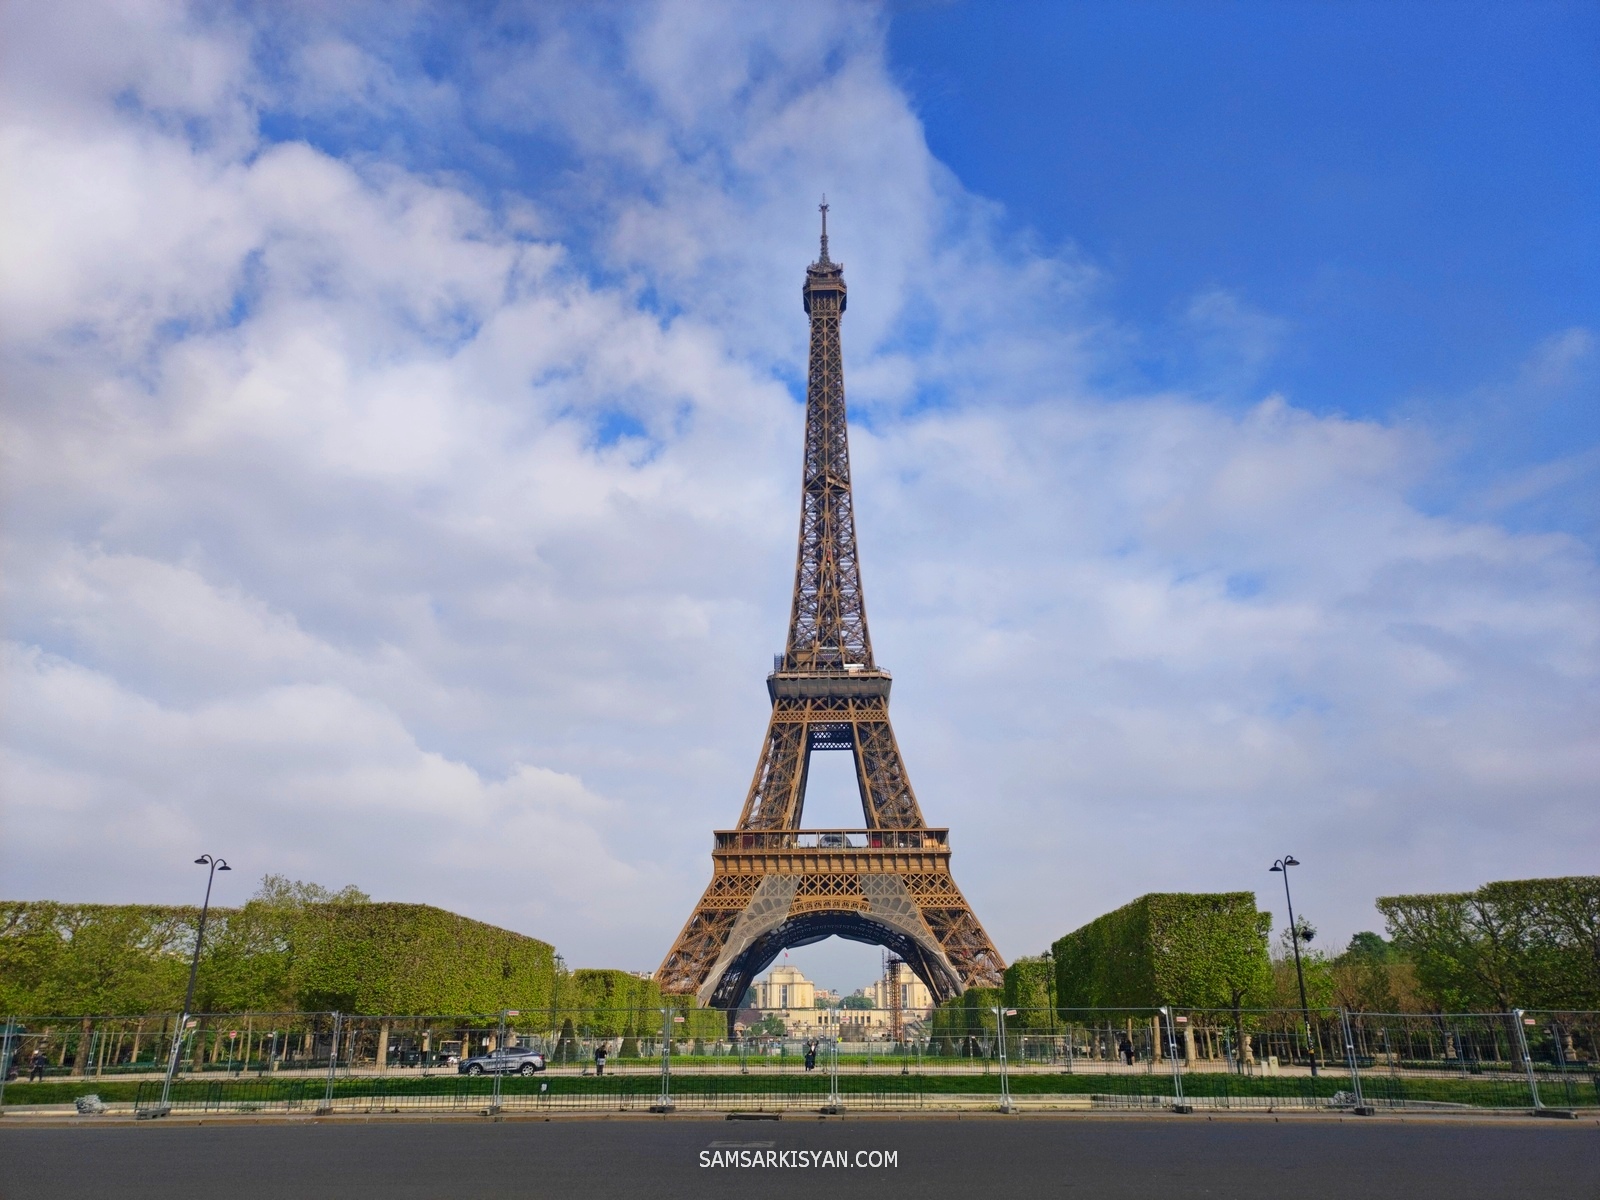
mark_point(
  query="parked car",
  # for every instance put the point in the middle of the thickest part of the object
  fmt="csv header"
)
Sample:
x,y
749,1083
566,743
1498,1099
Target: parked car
x,y
518,1060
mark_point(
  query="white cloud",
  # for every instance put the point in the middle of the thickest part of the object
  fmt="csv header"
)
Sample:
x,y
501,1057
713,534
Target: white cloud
x,y
353,529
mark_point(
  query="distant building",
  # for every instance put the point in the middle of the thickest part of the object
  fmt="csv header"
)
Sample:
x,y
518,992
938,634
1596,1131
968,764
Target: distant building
x,y
783,990
915,998
788,995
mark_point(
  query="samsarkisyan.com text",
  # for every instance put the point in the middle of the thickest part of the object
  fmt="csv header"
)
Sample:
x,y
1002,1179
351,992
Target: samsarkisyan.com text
x,y
767,1159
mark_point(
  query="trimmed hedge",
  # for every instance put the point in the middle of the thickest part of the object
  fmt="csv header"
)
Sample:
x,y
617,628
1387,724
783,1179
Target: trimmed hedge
x,y
1194,949
374,958
413,958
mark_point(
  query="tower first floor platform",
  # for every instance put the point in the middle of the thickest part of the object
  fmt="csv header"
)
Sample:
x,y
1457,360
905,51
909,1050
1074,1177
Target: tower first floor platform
x,y
772,890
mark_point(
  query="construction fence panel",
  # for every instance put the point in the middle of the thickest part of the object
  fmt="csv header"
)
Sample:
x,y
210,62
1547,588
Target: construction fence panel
x,y
1065,1059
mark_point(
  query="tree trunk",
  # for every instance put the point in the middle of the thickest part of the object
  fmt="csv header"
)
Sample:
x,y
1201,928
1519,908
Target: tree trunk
x,y
383,1045
80,1060
1241,1043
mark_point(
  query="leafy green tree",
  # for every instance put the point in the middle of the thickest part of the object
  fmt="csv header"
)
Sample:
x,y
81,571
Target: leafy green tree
x,y
279,891
1029,983
1317,969
604,1001
92,958
1531,943
1367,946
1372,976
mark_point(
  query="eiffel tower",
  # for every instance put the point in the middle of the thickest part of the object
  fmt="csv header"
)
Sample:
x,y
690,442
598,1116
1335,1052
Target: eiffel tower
x,y
774,884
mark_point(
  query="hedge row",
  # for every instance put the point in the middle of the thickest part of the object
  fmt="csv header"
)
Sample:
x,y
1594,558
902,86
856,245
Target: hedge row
x,y
1197,950
376,958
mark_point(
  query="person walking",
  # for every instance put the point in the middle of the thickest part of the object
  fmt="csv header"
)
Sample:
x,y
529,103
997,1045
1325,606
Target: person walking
x,y
600,1059
36,1066
1125,1048
811,1056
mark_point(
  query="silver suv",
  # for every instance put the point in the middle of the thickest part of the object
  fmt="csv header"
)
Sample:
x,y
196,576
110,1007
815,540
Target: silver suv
x,y
512,1060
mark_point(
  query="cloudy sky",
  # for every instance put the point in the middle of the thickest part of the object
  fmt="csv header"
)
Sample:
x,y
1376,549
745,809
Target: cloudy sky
x,y
402,413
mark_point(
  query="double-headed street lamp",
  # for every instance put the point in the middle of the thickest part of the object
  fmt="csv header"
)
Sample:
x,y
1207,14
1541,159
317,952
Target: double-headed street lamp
x,y
215,865
1282,867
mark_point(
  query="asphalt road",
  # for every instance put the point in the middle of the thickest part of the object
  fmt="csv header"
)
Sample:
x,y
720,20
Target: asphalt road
x,y
1104,1158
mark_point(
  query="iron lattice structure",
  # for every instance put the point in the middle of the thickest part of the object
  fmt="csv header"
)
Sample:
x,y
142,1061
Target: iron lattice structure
x,y
774,884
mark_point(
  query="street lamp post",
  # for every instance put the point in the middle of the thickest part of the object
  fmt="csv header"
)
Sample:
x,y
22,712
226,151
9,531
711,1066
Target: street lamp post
x,y
1282,867
557,966
215,865
1050,992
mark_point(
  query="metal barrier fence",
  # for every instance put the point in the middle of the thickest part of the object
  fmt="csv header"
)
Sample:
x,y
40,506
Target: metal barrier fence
x,y
980,1058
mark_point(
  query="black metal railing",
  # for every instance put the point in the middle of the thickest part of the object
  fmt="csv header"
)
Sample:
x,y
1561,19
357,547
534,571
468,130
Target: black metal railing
x,y
832,839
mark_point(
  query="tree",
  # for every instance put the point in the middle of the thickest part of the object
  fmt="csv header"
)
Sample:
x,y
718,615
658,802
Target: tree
x,y
769,1026
1367,946
1029,983
280,891
92,958
1530,943
1372,976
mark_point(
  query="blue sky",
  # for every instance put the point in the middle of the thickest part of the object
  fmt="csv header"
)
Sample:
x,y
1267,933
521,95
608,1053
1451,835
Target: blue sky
x,y
1411,188
1404,196
402,423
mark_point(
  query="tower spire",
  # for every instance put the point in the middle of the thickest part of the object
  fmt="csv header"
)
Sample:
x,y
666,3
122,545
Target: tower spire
x,y
828,619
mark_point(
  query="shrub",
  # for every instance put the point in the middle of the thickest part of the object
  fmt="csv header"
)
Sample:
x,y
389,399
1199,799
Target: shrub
x,y
1195,950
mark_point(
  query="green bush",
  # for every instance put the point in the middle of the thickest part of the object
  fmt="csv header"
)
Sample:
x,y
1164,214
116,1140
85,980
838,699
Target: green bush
x,y
412,958
265,956
1194,950
606,1003
1029,984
